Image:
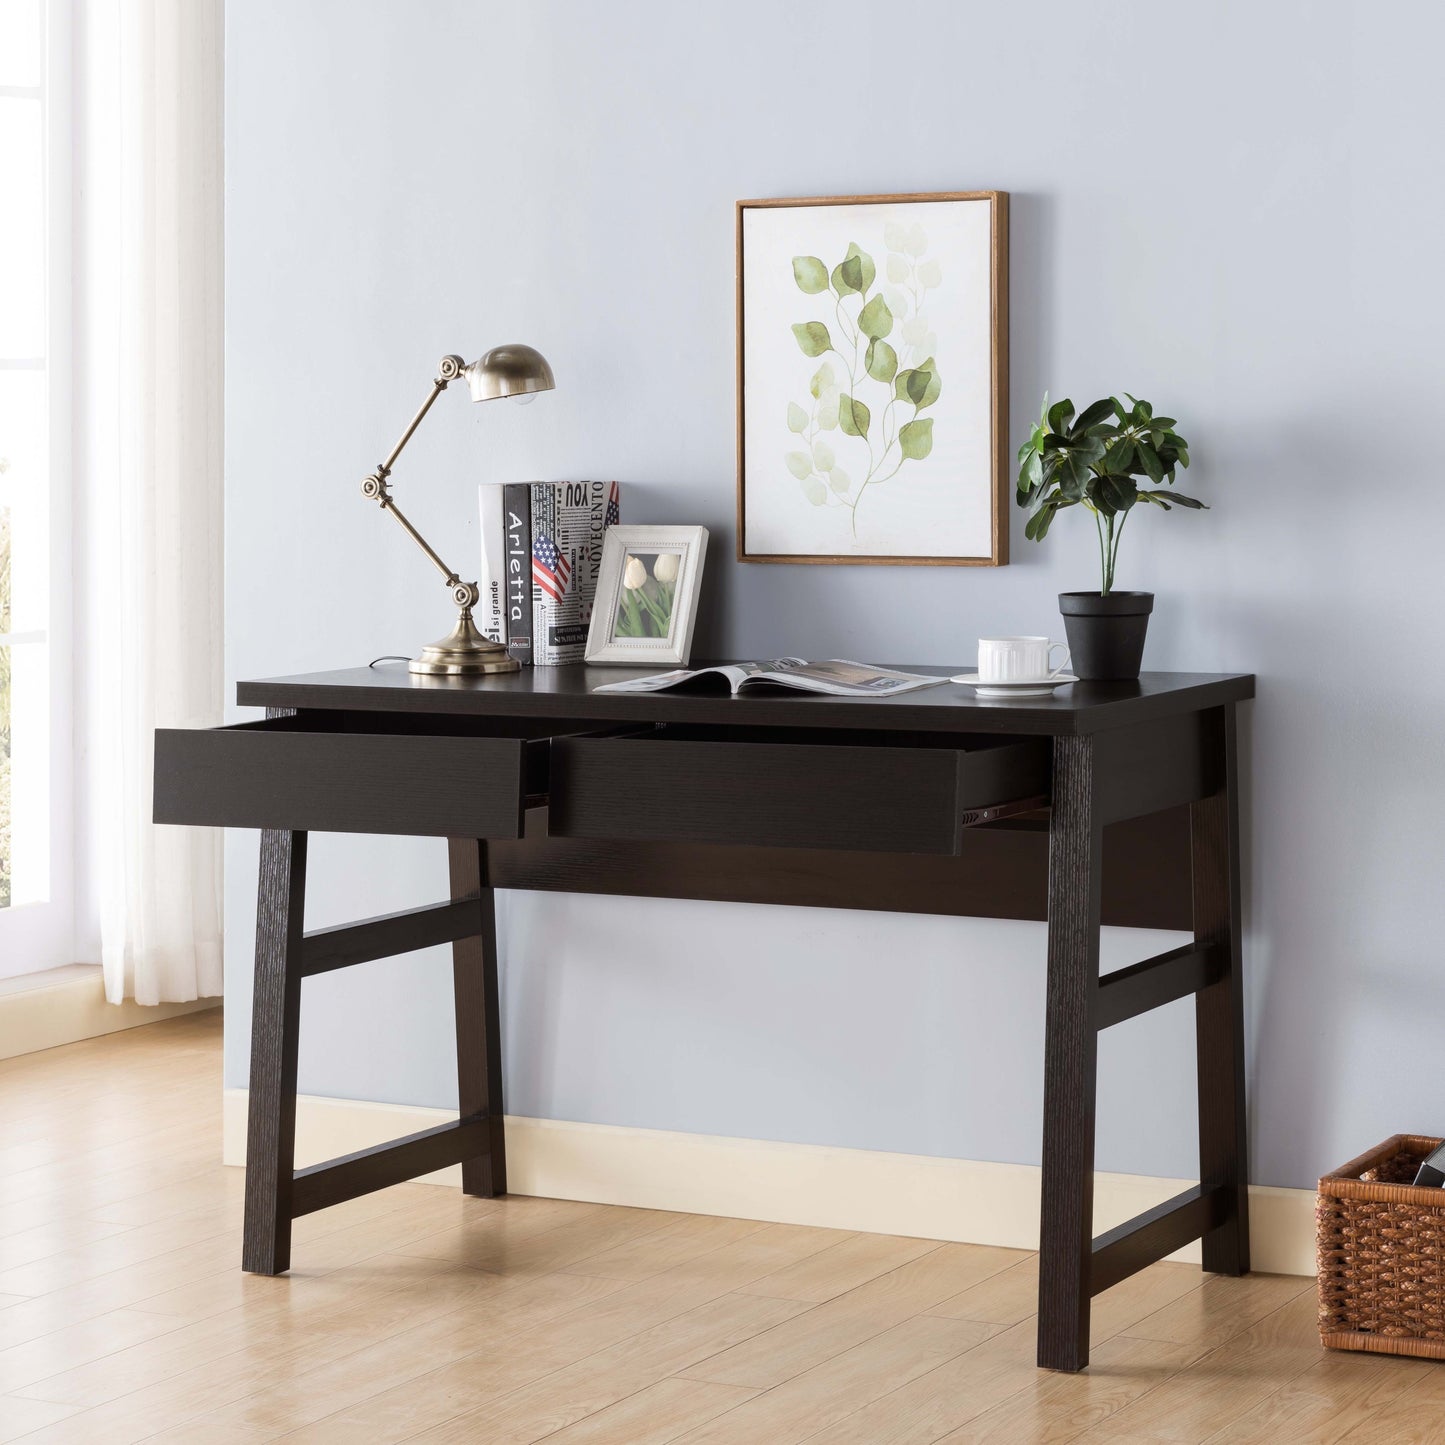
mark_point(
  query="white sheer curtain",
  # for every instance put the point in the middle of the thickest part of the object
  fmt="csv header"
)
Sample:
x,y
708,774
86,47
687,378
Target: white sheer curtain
x,y
148,404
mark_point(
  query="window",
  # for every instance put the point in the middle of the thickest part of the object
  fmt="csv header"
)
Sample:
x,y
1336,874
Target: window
x,y
35,762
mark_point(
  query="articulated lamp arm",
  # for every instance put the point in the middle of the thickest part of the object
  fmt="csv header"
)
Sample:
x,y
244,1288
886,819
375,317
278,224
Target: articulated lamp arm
x,y
377,488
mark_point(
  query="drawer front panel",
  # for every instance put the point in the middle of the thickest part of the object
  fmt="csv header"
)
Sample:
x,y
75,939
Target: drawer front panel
x,y
271,776
799,795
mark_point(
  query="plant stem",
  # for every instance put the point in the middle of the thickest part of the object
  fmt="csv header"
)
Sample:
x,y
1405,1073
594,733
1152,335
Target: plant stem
x,y
1103,556
1114,554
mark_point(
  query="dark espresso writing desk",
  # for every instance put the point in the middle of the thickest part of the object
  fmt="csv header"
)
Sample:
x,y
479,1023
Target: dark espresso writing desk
x,y
1109,802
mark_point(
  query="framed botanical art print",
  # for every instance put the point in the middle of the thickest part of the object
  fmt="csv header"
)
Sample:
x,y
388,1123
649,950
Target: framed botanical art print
x,y
873,379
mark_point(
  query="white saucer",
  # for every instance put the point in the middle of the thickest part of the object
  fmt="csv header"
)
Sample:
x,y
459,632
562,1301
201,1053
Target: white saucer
x,y
1032,687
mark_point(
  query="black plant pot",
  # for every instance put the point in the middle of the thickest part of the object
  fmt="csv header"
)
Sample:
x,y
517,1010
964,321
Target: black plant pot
x,y
1106,634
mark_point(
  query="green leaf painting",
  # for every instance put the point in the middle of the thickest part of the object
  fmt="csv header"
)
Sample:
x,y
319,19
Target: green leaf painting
x,y
916,438
860,420
880,361
810,274
854,416
813,337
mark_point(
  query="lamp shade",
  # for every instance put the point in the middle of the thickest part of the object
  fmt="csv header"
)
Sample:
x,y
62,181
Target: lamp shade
x,y
512,370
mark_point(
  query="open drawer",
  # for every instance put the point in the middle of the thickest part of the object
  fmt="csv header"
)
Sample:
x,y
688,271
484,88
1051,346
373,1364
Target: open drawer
x,y
788,787
349,773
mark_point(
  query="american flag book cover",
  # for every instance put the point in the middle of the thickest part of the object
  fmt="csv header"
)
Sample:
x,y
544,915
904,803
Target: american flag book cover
x,y
567,520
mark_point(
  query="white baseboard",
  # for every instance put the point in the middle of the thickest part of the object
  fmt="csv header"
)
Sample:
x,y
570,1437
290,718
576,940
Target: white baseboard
x,y
908,1194
65,1005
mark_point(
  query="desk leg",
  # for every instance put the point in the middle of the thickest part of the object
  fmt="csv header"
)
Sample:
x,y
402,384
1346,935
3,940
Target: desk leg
x,y
478,1019
275,1022
1219,1011
1070,1059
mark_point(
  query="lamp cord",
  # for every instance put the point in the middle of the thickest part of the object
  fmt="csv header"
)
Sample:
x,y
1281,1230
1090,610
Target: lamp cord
x,y
388,657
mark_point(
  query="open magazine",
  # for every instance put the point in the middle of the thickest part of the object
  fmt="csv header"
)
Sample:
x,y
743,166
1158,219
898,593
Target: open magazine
x,y
839,678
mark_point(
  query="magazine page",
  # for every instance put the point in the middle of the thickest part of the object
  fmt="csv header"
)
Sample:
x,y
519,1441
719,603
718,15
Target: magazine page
x,y
734,675
837,677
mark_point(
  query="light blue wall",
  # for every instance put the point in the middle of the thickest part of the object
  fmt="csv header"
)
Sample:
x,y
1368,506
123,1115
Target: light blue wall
x,y
1233,209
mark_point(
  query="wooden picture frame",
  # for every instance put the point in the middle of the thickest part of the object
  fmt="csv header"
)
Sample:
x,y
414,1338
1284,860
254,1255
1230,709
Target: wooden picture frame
x,y
988,460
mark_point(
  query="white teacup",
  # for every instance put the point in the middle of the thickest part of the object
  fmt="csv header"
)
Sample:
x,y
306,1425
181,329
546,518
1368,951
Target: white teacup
x,y
1018,659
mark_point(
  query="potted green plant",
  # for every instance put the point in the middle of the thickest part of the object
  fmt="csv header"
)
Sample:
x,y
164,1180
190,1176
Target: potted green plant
x,y
1108,458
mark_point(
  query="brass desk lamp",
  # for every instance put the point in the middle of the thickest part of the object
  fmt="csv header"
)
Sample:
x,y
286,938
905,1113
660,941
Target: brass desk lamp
x,y
515,371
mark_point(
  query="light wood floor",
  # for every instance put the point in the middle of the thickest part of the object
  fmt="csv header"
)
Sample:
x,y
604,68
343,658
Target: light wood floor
x,y
417,1314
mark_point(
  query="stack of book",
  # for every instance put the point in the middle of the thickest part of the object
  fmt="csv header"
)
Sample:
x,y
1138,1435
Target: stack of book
x,y
541,551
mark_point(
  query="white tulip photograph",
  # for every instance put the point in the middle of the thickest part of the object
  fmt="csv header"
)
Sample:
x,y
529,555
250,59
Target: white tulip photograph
x,y
649,584
647,594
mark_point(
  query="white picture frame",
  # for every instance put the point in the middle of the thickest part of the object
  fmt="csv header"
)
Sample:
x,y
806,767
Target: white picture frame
x,y
636,595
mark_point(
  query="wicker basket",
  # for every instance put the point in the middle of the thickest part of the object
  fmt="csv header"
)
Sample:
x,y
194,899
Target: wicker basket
x,y
1381,1248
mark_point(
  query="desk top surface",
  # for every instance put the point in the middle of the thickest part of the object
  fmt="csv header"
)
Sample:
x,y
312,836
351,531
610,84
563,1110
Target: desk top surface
x,y
566,693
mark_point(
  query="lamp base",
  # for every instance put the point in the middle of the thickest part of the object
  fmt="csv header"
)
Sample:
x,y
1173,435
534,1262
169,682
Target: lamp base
x,y
463,652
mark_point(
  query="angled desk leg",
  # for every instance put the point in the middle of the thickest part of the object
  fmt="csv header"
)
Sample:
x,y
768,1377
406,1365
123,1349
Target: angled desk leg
x,y
275,1022
478,1020
1070,1059
1219,1010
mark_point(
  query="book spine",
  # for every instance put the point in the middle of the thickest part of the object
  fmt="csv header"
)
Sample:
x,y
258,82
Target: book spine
x,y
544,532
517,515
491,609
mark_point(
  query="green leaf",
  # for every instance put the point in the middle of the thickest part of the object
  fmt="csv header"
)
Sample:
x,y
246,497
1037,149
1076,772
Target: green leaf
x,y
1059,414
1038,525
797,417
1149,460
881,361
823,458
810,274
813,337
897,270
822,379
1143,412
1074,485
1118,457
924,385
1181,500
895,236
1120,491
1120,410
828,409
815,491
930,274
915,438
865,261
875,320
853,416
1092,415
799,463
839,480
1031,476
848,276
